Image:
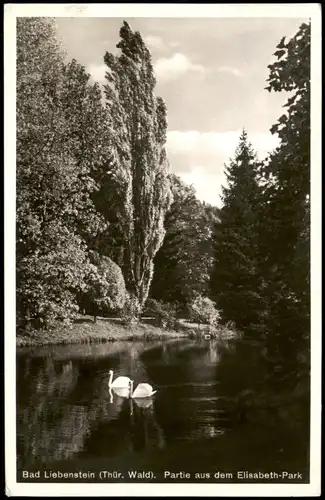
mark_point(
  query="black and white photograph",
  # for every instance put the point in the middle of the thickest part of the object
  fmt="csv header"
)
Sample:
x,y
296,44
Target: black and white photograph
x,y
162,249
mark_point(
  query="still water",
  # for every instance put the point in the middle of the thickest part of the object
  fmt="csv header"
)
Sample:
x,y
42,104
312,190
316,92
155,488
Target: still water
x,y
69,420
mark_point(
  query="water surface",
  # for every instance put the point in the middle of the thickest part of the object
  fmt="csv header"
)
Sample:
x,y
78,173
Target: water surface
x,y
69,420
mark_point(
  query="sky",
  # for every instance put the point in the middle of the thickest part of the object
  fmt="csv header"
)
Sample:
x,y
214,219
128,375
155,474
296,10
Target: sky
x,y
212,74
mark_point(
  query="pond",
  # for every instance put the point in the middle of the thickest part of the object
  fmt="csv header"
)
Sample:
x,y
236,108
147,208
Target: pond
x,y
69,421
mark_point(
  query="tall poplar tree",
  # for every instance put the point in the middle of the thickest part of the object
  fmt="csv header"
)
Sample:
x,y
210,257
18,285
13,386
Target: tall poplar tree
x,y
140,166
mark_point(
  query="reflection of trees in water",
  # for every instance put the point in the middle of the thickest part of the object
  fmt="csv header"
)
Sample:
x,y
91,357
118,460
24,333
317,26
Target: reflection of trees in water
x,y
51,378
64,408
48,428
133,429
53,435
110,428
188,404
146,432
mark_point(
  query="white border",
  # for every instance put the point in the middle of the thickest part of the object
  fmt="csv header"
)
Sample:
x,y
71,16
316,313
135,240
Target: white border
x,y
163,10
12,11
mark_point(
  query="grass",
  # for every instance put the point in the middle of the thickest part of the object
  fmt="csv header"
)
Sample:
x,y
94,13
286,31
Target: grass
x,y
85,330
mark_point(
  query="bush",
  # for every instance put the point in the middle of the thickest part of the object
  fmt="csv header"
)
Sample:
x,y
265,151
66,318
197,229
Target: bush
x,y
203,310
49,278
164,313
131,310
106,286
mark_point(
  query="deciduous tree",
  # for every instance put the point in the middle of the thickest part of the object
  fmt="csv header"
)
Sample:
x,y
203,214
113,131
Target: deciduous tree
x,y
286,227
140,168
53,181
184,262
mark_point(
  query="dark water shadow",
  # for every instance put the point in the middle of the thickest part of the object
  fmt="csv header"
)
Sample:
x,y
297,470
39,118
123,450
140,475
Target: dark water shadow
x,y
197,420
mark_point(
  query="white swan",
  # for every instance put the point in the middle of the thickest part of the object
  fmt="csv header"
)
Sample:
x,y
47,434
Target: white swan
x,y
110,395
119,381
142,391
122,392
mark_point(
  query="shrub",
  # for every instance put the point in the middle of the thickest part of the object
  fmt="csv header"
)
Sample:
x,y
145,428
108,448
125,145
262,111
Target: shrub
x,y
203,310
163,312
131,310
106,286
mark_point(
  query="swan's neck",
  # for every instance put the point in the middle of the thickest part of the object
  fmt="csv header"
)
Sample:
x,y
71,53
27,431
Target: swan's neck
x,y
110,379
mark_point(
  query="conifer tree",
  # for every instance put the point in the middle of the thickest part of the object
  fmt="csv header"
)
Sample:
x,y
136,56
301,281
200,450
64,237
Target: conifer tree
x,y
236,284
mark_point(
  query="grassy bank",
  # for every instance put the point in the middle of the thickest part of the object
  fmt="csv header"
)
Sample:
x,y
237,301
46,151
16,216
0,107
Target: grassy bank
x,y
84,330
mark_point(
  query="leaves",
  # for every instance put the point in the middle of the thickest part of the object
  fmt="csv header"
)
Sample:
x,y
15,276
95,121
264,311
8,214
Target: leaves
x,y
203,310
183,263
279,53
58,147
282,44
236,284
140,169
105,283
284,226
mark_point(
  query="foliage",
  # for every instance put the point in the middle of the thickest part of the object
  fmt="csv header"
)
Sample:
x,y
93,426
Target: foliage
x,y
140,167
50,277
99,213
130,313
91,132
184,262
54,186
285,238
49,258
236,283
203,310
106,287
90,146
164,313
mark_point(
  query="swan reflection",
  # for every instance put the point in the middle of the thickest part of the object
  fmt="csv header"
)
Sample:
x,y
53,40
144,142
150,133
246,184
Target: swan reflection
x,y
143,403
125,393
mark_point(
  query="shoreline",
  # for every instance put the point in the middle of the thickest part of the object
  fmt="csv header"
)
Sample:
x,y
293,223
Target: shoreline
x,y
85,331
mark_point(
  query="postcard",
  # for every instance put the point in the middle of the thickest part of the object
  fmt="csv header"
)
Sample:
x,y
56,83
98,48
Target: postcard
x,y
162,249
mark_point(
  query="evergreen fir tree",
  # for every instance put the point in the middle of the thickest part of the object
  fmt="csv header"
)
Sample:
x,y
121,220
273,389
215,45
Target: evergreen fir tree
x,y
236,284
